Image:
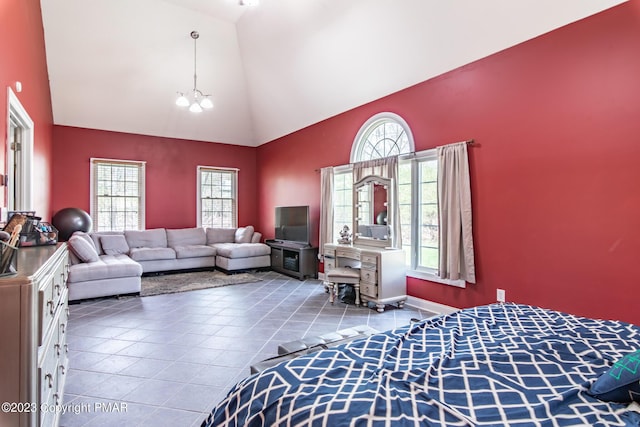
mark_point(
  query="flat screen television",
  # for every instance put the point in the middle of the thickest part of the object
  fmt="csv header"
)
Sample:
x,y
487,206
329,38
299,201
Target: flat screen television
x,y
292,224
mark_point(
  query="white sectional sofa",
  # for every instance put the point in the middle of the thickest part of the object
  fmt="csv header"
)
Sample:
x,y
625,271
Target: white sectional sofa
x,y
112,263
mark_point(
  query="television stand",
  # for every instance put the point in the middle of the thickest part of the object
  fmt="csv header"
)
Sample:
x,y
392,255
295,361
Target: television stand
x,y
295,259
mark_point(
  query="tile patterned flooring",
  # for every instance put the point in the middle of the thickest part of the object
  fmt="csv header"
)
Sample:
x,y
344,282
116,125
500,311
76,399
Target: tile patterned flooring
x,y
166,360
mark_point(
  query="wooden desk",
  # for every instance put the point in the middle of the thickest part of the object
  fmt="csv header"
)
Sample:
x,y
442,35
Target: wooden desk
x,y
382,271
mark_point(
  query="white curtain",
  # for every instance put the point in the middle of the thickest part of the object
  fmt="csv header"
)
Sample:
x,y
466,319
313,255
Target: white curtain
x,y
385,168
326,209
454,202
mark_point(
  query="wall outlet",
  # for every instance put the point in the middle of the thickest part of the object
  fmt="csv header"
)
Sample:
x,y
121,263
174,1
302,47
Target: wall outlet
x,y
500,295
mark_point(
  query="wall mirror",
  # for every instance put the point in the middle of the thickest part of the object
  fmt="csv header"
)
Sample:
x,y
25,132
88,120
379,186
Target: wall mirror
x,y
372,199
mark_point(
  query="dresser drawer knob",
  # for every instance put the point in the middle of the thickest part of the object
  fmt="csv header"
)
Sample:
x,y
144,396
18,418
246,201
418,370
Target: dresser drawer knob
x,y
50,305
58,289
63,369
57,348
63,328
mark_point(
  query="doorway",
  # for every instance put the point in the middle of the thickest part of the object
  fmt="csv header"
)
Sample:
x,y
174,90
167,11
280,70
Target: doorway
x,y
18,178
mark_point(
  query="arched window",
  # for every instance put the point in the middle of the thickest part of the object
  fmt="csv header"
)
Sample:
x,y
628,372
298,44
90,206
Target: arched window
x,y
383,135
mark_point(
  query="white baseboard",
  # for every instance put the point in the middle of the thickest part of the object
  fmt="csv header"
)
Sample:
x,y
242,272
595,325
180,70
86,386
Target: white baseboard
x,y
421,304
431,306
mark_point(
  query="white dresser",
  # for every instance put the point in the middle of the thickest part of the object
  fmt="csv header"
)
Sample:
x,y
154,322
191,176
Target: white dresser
x,y
33,359
382,271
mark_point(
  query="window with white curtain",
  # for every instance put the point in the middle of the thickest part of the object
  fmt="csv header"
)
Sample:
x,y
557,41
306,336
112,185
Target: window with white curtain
x,y
117,199
217,197
384,135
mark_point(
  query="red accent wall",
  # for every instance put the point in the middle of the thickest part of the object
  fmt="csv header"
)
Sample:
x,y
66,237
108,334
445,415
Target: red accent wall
x,y
22,58
171,172
555,176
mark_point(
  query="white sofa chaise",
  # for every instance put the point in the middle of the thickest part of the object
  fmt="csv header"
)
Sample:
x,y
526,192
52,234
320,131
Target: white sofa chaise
x,y
112,263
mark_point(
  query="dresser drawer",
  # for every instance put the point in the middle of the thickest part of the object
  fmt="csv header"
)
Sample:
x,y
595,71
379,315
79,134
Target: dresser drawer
x,y
48,369
47,305
368,275
369,290
329,263
369,258
348,253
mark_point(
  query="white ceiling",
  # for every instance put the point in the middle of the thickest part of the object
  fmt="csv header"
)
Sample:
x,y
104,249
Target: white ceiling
x,y
273,68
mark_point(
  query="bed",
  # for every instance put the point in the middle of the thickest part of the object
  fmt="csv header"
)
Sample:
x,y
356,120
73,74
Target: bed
x,y
494,365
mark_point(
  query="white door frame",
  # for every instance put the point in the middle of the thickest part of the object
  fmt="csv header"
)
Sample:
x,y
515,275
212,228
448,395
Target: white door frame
x,y
18,115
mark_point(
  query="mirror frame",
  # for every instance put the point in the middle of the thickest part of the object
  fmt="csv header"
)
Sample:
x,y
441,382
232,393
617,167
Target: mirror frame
x,y
370,241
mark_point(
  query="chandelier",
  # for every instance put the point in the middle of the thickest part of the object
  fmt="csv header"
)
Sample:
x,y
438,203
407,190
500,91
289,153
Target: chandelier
x,y
194,99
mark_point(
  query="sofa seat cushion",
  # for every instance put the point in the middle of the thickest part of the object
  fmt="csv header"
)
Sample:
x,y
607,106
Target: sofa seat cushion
x,y
241,250
152,254
106,267
194,251
186,237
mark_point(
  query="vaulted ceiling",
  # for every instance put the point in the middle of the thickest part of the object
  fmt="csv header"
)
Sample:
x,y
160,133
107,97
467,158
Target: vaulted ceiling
x,y
272,69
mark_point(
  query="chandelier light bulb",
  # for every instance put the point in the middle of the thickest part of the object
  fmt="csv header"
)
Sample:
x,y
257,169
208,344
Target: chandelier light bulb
x,y
182,100
206,102
195,108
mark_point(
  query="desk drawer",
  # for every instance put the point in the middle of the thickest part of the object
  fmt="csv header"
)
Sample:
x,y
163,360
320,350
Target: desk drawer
x,y
369,290
370,276
348,253
369,258
329,263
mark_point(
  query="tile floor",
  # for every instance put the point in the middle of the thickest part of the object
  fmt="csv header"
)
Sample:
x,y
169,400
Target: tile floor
x,y
166,360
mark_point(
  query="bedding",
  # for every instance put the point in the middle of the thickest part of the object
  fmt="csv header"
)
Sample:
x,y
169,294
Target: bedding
x,y
495,365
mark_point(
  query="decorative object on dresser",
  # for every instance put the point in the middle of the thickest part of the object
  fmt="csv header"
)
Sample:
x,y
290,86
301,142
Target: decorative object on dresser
x,y
34,313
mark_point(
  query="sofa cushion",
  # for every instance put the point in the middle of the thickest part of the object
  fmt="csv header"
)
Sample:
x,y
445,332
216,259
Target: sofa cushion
x,y
220,235
244,234
97,235
186,237
115,244
155,238
151,254
86,237
81,248
242,250
256,238
106,267
194,251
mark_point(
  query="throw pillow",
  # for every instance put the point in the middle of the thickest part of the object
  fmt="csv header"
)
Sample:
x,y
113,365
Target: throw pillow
x,y
83,249
621,383
116,244
244,234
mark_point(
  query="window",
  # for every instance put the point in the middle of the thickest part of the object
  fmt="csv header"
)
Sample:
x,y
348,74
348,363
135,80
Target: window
x,y
385,135
217,197
118,195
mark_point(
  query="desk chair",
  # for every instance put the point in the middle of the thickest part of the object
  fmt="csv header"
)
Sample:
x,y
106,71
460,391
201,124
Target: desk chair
x,y
348,275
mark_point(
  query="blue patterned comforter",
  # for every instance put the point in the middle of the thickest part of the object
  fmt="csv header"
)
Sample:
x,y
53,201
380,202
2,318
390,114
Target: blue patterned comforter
x,y
496,365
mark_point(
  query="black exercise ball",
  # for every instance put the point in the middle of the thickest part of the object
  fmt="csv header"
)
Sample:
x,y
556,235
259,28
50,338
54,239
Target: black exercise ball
x,y
70,220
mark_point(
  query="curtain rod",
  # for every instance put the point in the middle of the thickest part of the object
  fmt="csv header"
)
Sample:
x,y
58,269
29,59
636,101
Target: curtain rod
x,y
409,155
